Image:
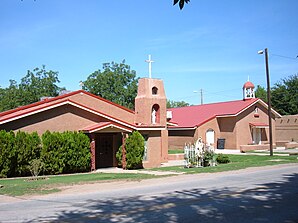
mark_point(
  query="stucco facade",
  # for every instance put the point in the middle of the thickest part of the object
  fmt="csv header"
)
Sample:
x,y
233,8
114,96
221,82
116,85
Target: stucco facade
x,y
241,124
107,124
286,129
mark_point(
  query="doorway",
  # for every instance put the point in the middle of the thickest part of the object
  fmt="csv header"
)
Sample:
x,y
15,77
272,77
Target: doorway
x,y
257,136
104,151
210,137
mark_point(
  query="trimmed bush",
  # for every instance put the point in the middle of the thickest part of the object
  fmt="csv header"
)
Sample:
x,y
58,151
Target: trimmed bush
x,y
222,158
27,148
66,152
7,154
135,148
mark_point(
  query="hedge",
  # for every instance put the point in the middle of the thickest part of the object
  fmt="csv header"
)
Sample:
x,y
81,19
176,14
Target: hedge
x,y
67,152
135,148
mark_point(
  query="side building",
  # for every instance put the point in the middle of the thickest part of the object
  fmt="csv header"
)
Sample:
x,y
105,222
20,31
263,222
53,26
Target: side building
x,y
241,124
105,122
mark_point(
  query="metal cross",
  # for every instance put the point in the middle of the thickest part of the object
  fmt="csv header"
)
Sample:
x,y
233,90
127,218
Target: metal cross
x,y
149,61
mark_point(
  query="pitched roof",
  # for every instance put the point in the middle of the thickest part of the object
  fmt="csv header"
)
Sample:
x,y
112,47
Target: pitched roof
x,y
194,116
50,103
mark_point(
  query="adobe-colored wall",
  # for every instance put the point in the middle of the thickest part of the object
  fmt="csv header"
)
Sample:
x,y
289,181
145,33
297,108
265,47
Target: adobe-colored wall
x,y
66,117
154,149
178,138
104,107
244,133
201,131
228,131
145,101
287,128
235,130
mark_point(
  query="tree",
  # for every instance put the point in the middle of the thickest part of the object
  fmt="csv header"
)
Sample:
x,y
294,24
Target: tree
x,y
181,3
9,97
176,104
39,83
117,83
261,93
284,96
36,84
135,149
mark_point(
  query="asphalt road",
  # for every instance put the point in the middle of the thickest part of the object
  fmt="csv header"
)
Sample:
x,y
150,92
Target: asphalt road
x,y
268,194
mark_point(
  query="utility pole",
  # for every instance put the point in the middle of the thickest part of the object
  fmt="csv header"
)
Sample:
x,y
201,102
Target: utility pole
x,y
268,99
201,96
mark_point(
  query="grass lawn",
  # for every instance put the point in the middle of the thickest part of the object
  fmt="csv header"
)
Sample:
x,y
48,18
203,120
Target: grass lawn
x,y
51,184
237,162
23,186
175,151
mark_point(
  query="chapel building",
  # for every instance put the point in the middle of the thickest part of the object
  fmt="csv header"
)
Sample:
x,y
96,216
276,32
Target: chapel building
x,y
242,124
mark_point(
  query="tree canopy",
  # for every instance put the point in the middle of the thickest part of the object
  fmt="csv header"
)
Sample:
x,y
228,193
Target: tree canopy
x,y
176,104
36,84
284,95
116,82
261,93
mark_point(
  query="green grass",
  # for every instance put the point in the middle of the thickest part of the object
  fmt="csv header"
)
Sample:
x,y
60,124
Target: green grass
x,y
237,162
51,184
175,151
22,186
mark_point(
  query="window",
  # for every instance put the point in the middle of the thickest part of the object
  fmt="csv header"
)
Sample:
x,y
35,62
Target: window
x,y
154,90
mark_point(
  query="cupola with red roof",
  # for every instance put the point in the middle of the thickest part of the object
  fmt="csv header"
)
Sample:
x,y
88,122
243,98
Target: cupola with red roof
x,y
248,90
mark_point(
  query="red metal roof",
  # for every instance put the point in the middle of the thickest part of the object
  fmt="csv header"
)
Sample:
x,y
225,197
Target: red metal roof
x,y
248,84
193,116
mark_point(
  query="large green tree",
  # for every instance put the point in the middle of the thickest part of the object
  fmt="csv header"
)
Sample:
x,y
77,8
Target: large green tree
x,y
284,95
35,85
116,82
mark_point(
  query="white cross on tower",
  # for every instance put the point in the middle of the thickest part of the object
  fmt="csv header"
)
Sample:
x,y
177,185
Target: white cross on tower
x,y
149,61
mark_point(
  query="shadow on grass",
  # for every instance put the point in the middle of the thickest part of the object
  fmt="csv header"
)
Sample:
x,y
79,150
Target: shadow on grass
x,y
272,202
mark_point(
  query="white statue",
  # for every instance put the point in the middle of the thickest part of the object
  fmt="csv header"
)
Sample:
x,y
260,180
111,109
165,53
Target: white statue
x,y
153,116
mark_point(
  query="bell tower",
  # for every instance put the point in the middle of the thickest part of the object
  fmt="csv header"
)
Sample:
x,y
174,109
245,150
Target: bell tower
x,y
248,90
150,103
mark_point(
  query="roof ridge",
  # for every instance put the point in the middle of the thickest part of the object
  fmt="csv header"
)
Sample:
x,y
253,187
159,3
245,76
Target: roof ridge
x,y
214,103
47,100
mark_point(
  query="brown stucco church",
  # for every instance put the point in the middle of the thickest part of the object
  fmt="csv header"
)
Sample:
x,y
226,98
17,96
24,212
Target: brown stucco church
x,y
242,124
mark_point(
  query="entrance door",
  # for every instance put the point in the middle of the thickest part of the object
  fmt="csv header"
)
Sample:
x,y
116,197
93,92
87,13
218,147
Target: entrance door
x,y
257,136
210,137
104,151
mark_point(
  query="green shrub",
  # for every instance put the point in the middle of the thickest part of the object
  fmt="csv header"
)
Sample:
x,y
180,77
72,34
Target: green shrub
x,y
66,152
27,148
222,158
135,148
52,153
77,150
7,154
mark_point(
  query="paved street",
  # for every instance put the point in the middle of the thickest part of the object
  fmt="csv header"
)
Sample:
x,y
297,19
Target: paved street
x,y
268,194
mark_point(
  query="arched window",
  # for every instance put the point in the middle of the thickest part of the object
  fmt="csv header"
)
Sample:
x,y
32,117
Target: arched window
x,y
155,116
154,90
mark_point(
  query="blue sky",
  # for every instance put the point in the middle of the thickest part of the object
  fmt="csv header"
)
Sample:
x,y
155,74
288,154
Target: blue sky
x,y
210,44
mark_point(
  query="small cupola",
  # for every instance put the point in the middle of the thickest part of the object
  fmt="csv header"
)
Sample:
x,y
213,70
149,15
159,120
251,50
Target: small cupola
x,y
248,90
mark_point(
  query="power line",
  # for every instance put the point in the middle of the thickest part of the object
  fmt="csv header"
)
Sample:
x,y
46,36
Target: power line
x,y
292,58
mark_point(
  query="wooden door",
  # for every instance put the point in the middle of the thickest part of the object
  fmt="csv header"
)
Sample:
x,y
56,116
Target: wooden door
x,y
104,151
